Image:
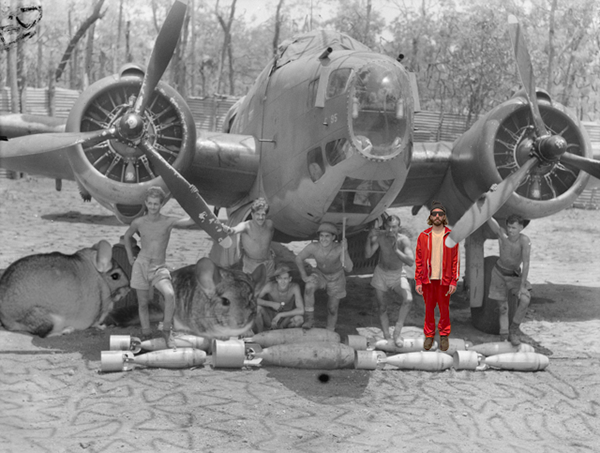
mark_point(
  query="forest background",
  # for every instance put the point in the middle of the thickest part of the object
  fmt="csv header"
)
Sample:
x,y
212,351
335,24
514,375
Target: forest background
x,y
459,49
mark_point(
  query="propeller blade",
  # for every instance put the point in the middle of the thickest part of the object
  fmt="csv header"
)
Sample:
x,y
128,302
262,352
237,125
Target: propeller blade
x,y
161,53
30,145
488,204
525,69
590,166
188,197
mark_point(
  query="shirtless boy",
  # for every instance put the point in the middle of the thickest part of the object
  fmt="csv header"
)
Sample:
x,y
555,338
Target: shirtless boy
x,y
515,249
255,236
394,252
329,273
149,268
280,304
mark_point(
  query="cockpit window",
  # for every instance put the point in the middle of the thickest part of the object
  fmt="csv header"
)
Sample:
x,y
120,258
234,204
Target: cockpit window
x,y
338,150
337,82
360,196
380,116
316,167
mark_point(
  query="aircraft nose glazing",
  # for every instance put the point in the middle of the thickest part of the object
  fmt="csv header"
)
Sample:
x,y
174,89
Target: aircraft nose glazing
x,y
381,115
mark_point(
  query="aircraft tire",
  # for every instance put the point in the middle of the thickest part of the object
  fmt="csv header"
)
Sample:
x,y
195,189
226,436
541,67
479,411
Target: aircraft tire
x,y
486,317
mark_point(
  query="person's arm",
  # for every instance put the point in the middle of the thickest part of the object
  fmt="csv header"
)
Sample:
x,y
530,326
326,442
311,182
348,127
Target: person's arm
x,y
304,254
348,264
404,252
496,228
239,228
133,228
372,244
184,222
455,269
419,267
266,290
525,255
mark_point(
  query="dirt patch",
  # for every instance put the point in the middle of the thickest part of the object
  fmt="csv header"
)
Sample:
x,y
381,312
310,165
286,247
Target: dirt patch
x,y
55,399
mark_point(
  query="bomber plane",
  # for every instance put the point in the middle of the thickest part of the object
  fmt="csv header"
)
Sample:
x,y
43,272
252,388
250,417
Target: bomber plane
x,y
326,133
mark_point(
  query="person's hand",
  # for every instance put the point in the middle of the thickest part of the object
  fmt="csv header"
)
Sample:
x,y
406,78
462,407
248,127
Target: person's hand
x,y
169,340
227,229
419,289
276,320
309,278
131,259
522,292
451,290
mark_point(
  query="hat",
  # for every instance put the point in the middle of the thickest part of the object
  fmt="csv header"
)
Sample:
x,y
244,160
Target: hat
x,y
327,227
437,205
281,269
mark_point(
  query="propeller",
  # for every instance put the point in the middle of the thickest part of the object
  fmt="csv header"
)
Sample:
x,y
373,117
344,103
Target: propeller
x,y
542,146
131,130
30,145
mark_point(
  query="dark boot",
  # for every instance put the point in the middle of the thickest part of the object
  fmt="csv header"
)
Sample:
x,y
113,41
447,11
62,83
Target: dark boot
x,y
513,334
309,320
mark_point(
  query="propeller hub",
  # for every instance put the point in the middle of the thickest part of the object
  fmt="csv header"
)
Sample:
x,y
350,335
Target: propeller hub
x,y
131,126
551,147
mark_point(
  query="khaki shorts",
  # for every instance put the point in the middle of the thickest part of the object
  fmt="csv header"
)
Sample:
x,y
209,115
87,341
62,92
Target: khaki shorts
x,y
335,284
386,280
500,284
251,264
146,273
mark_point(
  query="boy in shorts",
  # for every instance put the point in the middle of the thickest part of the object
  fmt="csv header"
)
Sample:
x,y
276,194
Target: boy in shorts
x,y
149,268
280,304
329,273
394,252
515,249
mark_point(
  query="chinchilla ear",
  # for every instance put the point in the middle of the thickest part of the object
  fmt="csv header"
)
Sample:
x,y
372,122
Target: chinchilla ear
x,y
207,274
103,261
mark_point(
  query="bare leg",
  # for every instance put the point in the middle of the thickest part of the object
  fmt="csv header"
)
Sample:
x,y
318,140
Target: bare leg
x,y
383,314
143,298
309,305
503,313
166,289
332,312
406,301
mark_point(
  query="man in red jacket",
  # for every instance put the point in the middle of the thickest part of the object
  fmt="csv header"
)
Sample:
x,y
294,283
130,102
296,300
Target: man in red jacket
x,y
436,274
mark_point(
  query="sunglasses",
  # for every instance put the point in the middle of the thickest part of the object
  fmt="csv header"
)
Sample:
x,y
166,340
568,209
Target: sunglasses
x,y
438,214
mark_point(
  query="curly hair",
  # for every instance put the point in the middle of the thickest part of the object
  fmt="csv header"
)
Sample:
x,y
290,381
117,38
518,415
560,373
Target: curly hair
x,y
156,192
260,203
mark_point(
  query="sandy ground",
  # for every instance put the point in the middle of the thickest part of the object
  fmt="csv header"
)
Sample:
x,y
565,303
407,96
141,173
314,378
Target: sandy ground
x,y
53,397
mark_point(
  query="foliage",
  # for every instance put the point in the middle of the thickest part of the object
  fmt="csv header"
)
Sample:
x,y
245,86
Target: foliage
x,y
459,49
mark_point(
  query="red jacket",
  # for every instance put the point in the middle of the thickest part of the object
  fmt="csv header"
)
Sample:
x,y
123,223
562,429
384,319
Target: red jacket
x,y
450,260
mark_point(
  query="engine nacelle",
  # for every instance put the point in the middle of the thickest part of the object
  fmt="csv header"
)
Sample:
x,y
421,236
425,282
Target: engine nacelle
x,y
493,148
118,175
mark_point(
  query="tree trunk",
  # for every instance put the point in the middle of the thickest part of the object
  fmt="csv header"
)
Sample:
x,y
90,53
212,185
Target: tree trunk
x,y
96,14
550,68
277,28
192,89
89,54
225,50
22,76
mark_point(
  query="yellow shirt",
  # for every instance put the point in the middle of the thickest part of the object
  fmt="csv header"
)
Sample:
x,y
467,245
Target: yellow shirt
x,y
437,253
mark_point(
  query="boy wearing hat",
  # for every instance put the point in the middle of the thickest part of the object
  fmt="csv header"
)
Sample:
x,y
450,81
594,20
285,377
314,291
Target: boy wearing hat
x,y
280,304
332,260
436,274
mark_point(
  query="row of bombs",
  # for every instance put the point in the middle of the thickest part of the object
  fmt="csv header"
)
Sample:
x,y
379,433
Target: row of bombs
x,y
316,349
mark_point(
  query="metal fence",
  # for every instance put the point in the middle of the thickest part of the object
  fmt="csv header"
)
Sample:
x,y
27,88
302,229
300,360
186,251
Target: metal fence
x,y
209,114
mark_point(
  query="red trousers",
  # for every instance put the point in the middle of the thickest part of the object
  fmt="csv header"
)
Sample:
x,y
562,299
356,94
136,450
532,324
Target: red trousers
x,y
434,294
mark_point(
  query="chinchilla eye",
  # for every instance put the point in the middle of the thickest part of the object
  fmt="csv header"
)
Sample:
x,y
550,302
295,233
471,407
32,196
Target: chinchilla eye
x,y
225,301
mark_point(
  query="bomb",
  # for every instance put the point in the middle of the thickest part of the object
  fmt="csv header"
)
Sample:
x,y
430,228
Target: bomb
x,y
410,345
500,347
233,353
311,355
181,341
125,343
296,335
466,360
368,360
169,358
357,342
423,361
457,344
518,361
